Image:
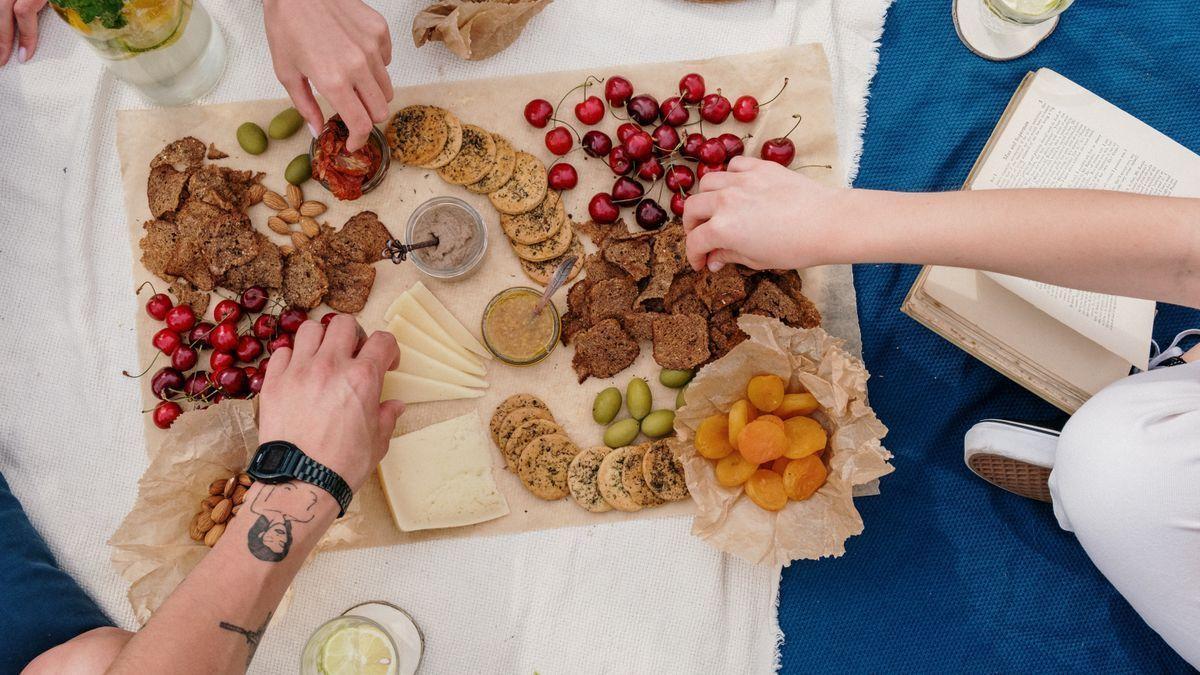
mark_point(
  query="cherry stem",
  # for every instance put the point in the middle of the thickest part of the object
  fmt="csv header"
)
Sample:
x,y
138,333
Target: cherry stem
x,y
568,125
777,94
153,291
583,86
812,166
798,119
157,353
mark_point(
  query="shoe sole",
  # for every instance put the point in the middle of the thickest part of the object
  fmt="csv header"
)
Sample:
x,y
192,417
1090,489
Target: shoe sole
x,y
1019,478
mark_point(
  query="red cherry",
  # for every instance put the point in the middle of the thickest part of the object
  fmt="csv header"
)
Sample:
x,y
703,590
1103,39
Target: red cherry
x,y
666,139
590,110
166,341
733,145
165,414
712,151
181,318
224,337
639,146
538,112
562,176
291,318
650,215
165,382
230,381
184,358
702,169
197,385
279,342
691,146
680,178
217,398
327,318
227,309
198,335
264,326
745,109
250,371
677,201
602,209
642,109
254,382
617,90
558,140
619,161
596,143
691,87
715,108
625,130
781,150
650,170
262,365
253,299
627,190
248,349
158,305
219,360
674,112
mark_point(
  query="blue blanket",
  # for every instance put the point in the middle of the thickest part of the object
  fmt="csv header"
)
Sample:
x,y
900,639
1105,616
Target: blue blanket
x,y
951,574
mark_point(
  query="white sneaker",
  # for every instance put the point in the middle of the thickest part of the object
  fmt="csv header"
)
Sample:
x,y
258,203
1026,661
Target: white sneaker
x,y
1012,456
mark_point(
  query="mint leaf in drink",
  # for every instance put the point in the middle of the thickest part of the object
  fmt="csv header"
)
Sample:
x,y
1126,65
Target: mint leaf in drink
x,y
107,11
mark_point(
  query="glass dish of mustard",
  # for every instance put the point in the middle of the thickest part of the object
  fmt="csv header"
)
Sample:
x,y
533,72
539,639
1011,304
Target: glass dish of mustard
x,y
513,333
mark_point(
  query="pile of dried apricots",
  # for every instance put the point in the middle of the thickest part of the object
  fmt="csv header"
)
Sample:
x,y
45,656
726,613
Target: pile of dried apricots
x,y
768,444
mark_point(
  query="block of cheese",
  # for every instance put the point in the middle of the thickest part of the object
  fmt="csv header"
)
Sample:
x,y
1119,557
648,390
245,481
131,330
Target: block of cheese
x,y
410,310
412,337
446,320
414,362
441,476
415,389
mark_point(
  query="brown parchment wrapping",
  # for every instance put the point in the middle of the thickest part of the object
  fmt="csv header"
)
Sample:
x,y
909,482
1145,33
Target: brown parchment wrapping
x,y
474,29
151,548
810,529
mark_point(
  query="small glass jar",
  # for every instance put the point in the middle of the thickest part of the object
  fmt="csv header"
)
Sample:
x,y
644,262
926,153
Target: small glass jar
x,y
511,311
385,154
414,234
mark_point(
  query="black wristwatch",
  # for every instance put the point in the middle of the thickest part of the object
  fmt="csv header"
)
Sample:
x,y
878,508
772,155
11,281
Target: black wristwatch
x,y
280,461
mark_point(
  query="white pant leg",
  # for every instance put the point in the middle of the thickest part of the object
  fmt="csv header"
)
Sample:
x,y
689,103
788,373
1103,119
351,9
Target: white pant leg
x,y
1126,481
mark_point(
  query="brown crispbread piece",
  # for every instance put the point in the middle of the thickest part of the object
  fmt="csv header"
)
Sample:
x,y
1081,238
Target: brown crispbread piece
x,y
544,464
416,134
631,254
554,247
720,289
304,280
187,294
680,341
502,168
603,350
475,158
583,476
226,189
525,190
663,471
265,269
611,298
166,189
537,225
770,300
525,434
543,271
454,136
349,286
183,154
640,325
362,239
610,479
507,406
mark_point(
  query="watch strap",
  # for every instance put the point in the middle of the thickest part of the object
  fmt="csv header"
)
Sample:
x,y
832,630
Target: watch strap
x,y
299,466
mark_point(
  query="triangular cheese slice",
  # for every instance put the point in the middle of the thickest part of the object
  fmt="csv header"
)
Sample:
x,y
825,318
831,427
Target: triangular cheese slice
x,y
414,389
412,337
410,310
446,320
414,362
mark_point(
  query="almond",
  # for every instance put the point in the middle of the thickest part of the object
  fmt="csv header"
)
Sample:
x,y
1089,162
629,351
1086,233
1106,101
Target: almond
x,y
274,200
287,249
294,196
194,529
229,485
290,216
299,239
233,512
220,512
239,494
212,500
214,535
309,227
204,522
311,209
244,479
255,193
278,226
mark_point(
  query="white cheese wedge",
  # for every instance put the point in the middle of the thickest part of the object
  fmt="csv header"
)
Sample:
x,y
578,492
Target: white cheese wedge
x,y
446,320
412,337
441,476
411,311
414,362
415,389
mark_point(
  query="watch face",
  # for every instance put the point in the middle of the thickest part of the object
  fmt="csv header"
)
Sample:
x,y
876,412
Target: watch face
x,y
270,459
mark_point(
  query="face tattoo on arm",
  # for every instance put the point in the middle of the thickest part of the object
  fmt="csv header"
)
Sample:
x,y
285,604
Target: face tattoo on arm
x,y
277,508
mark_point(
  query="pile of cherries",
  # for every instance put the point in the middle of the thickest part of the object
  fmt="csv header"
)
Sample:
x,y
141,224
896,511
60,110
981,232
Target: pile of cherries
x,y
652,145
244,331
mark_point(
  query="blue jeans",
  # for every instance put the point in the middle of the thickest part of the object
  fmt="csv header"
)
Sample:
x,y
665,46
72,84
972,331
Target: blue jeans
x,y
40,605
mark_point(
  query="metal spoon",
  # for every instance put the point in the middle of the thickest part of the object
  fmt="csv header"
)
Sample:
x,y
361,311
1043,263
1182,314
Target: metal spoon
x,y
398,252
561,273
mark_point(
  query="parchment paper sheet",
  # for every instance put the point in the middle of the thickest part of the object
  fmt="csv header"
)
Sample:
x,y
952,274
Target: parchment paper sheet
x,y
496,105
474,29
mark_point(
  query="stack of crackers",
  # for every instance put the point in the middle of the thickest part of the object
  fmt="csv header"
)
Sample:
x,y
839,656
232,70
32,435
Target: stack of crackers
x,y
600,479
531,215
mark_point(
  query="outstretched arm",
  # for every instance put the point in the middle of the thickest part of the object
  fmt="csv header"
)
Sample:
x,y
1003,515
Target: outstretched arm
x,y
763,215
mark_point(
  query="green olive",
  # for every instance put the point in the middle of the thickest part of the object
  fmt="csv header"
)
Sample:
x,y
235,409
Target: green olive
x,y
675,378
607,405
638,398
285,124
681,398
252,138
659,423
298,170
621,433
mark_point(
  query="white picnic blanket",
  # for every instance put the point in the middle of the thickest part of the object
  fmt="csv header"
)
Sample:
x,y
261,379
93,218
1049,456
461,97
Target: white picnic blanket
x,y
645,596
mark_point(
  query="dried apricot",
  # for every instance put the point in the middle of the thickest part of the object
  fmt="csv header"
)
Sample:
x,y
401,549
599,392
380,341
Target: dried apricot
x,y
805,436
761,441
733,470
797,404
712,438
778,465
741,414
772,419
803,477
765,392
765,488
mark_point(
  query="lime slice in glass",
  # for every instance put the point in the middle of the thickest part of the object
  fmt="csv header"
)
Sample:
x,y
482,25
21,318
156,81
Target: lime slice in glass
x,y
152,24
357,649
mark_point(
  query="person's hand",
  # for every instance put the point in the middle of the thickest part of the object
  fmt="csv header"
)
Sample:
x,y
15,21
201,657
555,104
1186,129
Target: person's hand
x,y
19,19
761,215
323,396
341,47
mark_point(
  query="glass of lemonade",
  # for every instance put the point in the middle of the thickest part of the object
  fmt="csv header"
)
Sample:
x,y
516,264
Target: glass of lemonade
x,y
1027,12
374,638
171,50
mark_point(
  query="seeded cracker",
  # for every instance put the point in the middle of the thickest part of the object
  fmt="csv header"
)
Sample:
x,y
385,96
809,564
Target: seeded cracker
x,y
583,476
502,168
537,225
541,272
417,134
553,247
610,479
266,269
518,417
680,341
454,137
543,466
525,434
634,480
362,239
525,189
166,189
507,406
663,471
183,154
474,160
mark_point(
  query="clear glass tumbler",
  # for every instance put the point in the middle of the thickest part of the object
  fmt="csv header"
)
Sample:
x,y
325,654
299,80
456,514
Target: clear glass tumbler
x,y
1026,12
374,638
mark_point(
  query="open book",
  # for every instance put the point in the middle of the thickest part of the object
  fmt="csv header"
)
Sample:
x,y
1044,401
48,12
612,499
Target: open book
x,y
1062,344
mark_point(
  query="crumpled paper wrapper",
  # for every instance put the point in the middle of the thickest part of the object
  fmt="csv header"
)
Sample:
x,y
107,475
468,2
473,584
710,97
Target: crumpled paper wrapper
x,y
474,29
151,548
809,529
